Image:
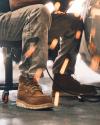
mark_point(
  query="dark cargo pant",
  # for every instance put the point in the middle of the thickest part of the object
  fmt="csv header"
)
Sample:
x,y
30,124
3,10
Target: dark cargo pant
x,y
66,27
29,24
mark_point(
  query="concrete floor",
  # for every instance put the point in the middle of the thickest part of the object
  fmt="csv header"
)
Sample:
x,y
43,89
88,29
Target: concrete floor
x,y
69,112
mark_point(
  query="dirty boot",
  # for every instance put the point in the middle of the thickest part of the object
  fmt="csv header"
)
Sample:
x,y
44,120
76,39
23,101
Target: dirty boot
x,y
30,95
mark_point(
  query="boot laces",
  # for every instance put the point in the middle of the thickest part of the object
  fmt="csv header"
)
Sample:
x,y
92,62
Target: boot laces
x,y
34,85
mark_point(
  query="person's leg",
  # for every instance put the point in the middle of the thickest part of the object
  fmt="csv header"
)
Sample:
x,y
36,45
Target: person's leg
x,y
34,58
31,24
70,29
69,44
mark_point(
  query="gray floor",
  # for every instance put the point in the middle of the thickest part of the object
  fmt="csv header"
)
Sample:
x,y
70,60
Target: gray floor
x,y
69,112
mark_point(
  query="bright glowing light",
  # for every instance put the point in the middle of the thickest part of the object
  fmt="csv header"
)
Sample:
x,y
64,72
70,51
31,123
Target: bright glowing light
x,y
2,71
1,58
79,7
54,43
57,6
50,7
76,7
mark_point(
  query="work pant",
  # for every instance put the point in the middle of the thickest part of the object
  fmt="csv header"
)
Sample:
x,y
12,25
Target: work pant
x,y
69,28
29,24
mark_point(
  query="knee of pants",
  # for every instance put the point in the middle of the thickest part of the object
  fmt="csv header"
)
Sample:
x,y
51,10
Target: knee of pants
x,y
45,15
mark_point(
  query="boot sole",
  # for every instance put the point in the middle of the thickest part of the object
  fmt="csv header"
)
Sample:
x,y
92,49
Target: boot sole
x,y
70,93
23,104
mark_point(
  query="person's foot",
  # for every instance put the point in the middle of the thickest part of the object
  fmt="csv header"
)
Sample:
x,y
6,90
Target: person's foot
x,y
68,84
30,95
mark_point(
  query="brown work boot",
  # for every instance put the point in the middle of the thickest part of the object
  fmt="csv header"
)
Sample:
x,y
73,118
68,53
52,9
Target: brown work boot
x,y
30,95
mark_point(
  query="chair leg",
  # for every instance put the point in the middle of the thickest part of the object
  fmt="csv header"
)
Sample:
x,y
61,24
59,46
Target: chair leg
x,y
8,76
8,70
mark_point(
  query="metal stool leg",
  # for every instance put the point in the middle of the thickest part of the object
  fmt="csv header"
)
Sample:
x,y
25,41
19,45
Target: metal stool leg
x,y
8,76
